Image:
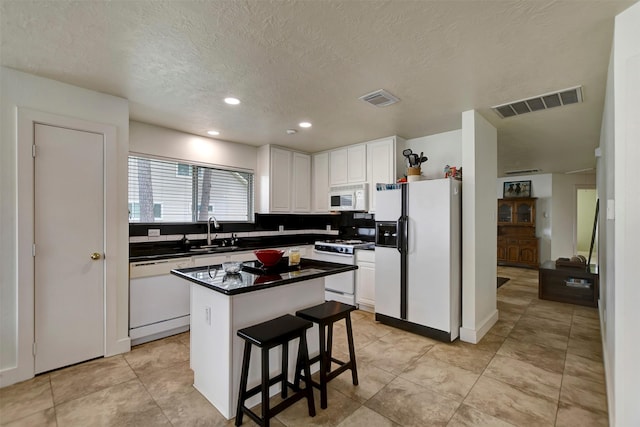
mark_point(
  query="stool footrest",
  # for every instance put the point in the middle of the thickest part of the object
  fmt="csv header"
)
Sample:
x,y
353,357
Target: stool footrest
x,y
279,407
275,380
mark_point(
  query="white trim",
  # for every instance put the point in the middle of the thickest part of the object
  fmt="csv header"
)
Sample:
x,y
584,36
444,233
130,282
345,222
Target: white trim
x,y
474,336
608,373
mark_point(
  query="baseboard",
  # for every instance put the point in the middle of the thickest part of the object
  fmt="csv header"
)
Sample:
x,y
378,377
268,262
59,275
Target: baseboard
x,y
474,336
122,345
10,376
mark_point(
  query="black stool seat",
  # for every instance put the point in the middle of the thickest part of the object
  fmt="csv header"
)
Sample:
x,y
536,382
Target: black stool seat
x,y
266,335
325,315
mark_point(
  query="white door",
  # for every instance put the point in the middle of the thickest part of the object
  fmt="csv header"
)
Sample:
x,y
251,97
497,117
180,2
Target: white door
x,y
69,246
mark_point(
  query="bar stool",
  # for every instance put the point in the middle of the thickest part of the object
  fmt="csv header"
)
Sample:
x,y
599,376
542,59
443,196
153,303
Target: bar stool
x,y
325,315
266,335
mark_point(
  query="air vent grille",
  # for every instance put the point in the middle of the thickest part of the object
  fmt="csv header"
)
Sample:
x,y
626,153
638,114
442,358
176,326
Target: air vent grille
x,y
542,102
379,98
523,172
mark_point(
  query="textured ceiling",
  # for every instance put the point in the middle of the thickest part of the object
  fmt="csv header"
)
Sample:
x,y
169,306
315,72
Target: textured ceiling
x,y
290,61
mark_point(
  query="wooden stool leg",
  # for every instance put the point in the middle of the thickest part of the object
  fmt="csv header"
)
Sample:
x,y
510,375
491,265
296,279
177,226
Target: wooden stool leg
x,y
323,367
329,345
304,353
243,382
265,387
352,351
285,369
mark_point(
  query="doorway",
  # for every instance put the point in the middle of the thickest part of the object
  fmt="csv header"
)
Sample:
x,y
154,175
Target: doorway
x,y
585,215
69,246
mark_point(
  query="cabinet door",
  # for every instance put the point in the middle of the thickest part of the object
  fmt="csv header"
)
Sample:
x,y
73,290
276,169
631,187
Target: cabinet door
x,y
502,250
366,284
380,166
280,180
505,212
524,212
321,182
301,182
513,250
528,252
357,163
338,167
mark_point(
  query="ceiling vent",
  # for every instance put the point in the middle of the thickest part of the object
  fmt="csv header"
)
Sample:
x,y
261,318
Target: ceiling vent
x,y
568,96
523,172
380,98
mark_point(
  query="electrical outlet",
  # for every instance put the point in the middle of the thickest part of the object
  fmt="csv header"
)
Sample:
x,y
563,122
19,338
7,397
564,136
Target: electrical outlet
x,y
328,227
207,315
281,228
153,232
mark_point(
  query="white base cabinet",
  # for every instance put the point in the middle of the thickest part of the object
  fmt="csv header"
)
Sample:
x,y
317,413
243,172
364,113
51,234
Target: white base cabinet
x,y
366,279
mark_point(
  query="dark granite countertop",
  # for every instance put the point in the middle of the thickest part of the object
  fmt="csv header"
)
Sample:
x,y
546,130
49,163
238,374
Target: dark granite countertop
x,y
252,278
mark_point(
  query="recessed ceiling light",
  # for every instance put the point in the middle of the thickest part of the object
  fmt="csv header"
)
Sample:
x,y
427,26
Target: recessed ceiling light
x,y
232,101
213,132
304,124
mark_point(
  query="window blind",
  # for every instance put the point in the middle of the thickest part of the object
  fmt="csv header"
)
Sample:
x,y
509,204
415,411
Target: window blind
x,y
170,191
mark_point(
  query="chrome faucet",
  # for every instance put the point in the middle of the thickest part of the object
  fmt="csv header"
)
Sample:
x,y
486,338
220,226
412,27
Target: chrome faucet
x,y
215,225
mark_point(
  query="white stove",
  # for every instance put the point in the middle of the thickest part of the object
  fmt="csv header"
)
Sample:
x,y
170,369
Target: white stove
x,y
345,247
340,287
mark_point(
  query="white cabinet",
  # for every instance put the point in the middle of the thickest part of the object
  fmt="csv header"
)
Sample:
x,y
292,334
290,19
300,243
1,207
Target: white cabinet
x,y
366,279
321,182
381,165
301,182
283,180
348,165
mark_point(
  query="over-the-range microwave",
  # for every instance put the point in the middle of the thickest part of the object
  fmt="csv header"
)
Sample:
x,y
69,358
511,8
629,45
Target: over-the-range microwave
x,y
349,198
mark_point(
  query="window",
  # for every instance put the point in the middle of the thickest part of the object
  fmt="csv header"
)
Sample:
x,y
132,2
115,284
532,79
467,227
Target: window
x,y
166,191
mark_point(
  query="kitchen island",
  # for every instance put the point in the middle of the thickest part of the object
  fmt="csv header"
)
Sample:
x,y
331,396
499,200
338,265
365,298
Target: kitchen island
x,y
223,303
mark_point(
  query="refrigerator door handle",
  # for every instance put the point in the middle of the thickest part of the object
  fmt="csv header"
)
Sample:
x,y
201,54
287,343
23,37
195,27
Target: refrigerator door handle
x,y
402,233
399,235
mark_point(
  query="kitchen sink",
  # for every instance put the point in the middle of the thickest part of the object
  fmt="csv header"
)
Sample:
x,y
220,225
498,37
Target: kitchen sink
x,y
209,249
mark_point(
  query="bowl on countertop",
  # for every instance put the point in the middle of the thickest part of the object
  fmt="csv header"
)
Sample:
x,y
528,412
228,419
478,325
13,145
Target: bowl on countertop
x,y
232,267
269,257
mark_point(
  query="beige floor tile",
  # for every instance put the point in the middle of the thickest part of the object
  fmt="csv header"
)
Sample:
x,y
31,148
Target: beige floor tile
x,y
46,418
365,417
558,314
590,312
86,378
370,381
510,404
363,335
547,358
185,338
532,322
371,327
582,332
511,308
509,316
410,404
393,355
192,409
156,355
586,321
449,380
125,404
490,342
471,359
535,335
575,416
503,327
586,348
25,398
584,393
510,299
524,376
339,408
582,367
166,384
466,416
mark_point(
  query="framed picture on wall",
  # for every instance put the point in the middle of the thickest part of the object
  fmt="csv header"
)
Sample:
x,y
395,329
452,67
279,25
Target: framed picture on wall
x,y
514,189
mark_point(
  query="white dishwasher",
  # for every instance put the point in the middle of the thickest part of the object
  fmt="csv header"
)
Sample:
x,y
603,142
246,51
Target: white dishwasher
x,y
158,300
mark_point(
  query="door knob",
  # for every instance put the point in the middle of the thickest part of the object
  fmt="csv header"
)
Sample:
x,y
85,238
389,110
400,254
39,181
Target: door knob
x,y
95,256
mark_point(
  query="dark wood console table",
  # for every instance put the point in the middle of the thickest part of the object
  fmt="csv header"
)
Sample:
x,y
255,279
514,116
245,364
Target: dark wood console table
x,y
567,284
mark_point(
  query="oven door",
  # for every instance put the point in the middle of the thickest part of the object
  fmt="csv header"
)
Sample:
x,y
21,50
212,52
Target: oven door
x,y
343,282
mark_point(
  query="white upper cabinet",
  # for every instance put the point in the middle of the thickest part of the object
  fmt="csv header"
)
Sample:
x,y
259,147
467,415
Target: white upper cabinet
x,y
301,182
381,165
321,182
283,180
348,165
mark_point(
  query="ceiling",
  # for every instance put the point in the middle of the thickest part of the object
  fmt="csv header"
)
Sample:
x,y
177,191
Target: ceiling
x,y
289,61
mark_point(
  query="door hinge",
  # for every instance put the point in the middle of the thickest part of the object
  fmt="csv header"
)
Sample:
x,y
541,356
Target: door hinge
x,y
34,349
33,150
33,250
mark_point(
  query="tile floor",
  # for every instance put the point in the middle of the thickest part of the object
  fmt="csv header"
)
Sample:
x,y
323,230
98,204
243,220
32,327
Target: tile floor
x,y
540,365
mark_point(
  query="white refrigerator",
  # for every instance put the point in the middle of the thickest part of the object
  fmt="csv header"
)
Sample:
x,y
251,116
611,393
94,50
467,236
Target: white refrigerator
x,y
418,257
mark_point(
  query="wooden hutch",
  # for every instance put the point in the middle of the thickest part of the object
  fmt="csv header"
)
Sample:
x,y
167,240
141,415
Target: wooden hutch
x,y
517,241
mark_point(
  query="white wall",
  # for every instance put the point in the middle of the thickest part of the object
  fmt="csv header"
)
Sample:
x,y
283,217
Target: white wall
x,y
441,149
480,168
541,188
16,323
586,210
626,354
162,142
